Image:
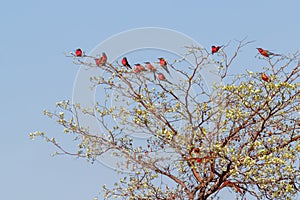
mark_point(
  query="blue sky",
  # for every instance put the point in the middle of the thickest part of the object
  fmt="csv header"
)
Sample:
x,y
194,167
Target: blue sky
x,y
35,74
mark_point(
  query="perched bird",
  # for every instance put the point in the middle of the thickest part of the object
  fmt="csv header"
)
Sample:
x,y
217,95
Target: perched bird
x,y
98,62
125,63
139,68
215,49
78,53
266,53
163,63
161,77
151,68
265,77
102,60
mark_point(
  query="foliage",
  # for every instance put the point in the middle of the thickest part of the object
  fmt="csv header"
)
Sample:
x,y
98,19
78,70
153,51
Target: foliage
x,y
243,135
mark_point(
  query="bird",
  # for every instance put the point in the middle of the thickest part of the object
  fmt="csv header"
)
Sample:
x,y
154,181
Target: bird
x,y
102,60
78,52
139,68
125,63
215,49
163,63
151,68
265,77
161,77
266,53
98,62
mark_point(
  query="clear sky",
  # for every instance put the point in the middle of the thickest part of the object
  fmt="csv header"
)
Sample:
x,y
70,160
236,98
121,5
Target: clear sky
x,y
35,74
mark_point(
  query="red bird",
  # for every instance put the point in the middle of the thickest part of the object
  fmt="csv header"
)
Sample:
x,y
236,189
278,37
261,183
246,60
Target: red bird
x,y
151,68
266,53
215,49
102,60
161,77
163,63
125,63
78,53
98,62
265,77
139,68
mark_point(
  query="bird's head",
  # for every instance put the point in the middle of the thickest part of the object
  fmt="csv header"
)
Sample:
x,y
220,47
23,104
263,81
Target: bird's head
x,y
260,50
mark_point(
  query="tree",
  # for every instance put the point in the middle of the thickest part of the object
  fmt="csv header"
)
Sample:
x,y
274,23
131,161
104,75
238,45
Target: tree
x,y
243,136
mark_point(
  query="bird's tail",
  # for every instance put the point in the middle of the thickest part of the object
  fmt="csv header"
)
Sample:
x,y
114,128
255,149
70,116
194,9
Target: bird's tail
x,y
154,76
167,70
276,54
168,82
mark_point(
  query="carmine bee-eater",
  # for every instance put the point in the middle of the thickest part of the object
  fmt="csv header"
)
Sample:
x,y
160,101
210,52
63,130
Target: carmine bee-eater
x,y
151,68
215,49
102,60
78,53
266,53
98,62
161,77
265,77
163,63
139,68
125,63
